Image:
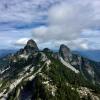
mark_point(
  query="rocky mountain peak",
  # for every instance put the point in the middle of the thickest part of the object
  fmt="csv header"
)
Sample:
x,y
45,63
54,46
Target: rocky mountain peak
x,y
65,52
63,47
31,45
46,50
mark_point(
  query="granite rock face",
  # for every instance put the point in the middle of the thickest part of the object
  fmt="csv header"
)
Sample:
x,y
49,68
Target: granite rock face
x,y
31,46
65,53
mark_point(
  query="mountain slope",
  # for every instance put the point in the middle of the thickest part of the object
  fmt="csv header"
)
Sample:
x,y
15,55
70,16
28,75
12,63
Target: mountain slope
x,y
41,75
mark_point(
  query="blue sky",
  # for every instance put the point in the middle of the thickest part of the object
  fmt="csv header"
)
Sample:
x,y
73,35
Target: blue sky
x,y
50,23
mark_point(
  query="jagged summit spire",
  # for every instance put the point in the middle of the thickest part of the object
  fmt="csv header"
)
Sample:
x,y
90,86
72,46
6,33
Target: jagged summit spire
x,y
31,44
64,46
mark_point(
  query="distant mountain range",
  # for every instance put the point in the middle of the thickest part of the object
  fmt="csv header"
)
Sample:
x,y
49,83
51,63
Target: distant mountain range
x,y
90,54
4,52
34,74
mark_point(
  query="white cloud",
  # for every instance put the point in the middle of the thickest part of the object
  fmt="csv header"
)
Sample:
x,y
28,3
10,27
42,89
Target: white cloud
x,y
23,10
84,46
40,32
22,41
91,33
67,20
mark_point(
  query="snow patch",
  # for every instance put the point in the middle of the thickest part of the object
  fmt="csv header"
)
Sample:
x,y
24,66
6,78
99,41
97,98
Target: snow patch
x,y
1,72
34,75
48,62
24,56
68,65
43,57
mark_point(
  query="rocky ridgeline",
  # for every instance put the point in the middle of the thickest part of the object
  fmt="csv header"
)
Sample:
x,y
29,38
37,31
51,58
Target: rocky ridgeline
x,y
45,75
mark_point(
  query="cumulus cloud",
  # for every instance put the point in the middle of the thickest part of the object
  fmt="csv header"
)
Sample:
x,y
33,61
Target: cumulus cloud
x,y
24,10
51,22
67,20
22,41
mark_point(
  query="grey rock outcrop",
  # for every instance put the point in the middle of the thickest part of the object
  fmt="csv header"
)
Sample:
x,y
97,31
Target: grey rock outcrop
x,y
65,53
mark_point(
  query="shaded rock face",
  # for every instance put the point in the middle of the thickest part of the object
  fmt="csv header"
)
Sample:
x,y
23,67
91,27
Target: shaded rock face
x,y
65,53
46,50
31,45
